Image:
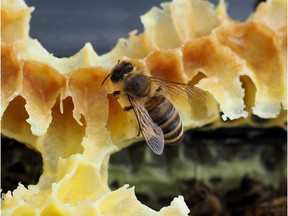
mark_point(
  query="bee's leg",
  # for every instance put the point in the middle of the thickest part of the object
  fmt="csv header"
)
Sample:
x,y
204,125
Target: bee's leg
x,y
116,94
139,132
127,108
158,90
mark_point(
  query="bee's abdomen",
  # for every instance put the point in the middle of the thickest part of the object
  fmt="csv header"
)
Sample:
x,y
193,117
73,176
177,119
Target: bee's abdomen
x,y
164,114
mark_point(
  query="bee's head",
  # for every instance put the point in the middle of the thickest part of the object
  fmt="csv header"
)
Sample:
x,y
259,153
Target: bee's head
x,y
118,72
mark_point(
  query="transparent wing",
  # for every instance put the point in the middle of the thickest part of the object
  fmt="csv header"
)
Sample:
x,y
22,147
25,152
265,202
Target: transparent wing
x,y
187,91
151,132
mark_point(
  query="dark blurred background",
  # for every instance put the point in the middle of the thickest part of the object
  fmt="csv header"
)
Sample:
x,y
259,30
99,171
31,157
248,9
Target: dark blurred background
x,y
64,26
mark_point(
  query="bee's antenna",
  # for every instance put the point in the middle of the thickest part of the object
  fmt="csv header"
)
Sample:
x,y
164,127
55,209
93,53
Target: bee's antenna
x,y
118,61
106,78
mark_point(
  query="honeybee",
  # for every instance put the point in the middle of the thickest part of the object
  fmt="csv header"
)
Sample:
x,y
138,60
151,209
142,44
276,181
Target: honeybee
x,y
277,207
159,121
201,200
255,198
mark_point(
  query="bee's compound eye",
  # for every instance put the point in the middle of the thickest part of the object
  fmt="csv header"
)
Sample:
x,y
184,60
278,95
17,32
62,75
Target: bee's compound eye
x,y
115,77
202,195
247,184
127,67
120,70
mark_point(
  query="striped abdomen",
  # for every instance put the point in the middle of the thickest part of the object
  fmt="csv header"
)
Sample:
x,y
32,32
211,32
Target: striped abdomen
x,y
164,114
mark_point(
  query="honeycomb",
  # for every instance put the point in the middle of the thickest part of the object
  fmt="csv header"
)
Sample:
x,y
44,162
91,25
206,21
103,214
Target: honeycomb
x,y
58,107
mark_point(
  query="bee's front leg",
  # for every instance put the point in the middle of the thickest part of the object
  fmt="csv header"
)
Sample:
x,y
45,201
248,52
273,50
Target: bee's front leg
x,y
117,94
127,108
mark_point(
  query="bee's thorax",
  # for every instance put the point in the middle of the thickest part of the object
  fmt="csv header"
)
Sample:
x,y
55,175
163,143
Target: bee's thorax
x,y
137,85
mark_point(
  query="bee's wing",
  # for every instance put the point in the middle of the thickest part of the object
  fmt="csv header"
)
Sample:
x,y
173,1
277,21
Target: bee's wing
x,y
151,132
187,91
